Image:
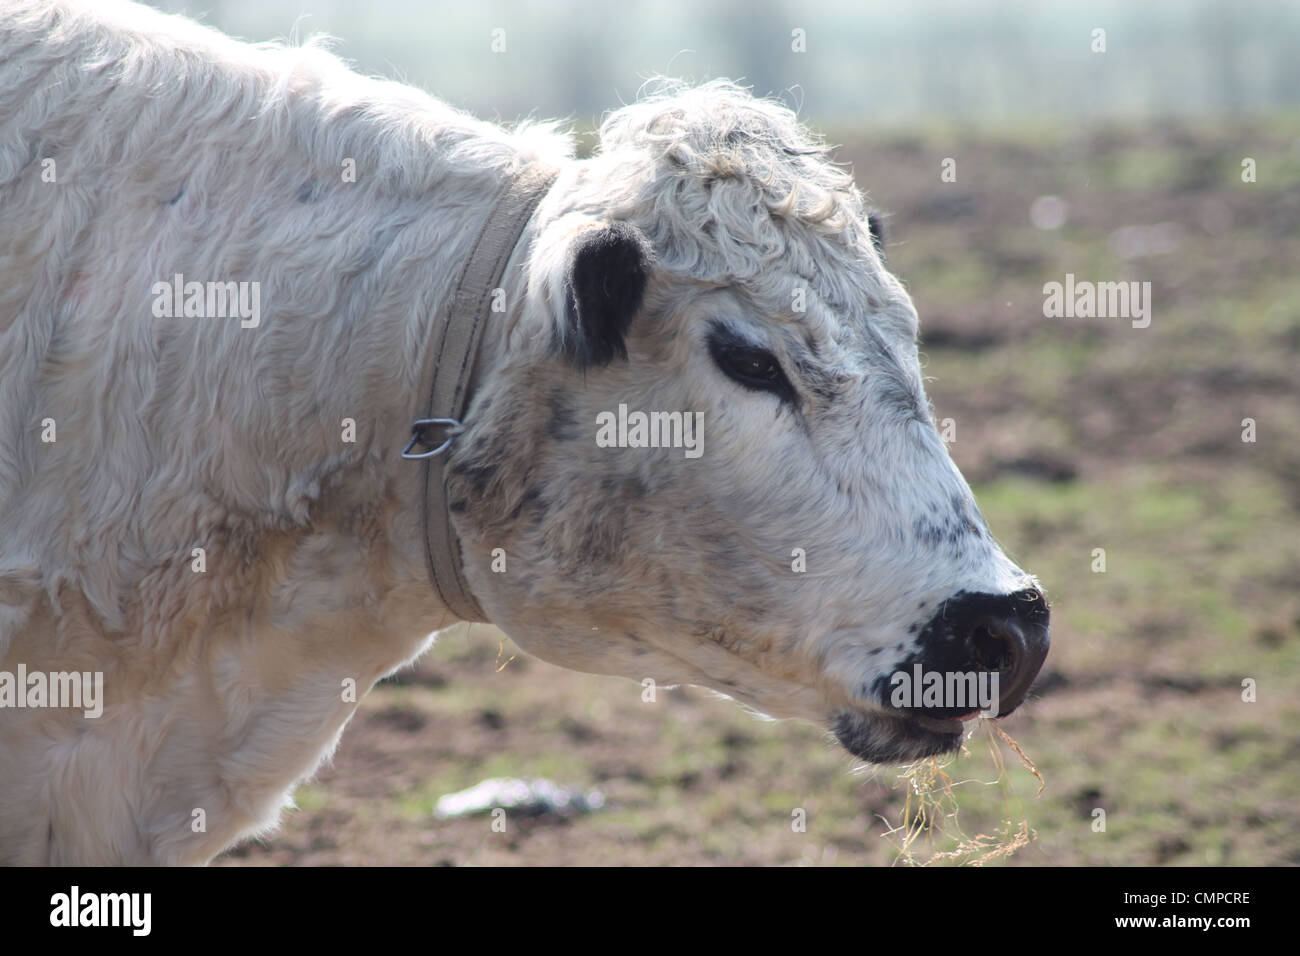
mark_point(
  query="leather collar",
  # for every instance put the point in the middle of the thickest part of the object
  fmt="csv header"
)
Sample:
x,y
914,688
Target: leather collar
x,y
448,371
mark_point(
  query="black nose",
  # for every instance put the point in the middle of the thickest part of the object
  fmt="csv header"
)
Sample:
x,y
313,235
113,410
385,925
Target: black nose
x,y
1011,638
984,634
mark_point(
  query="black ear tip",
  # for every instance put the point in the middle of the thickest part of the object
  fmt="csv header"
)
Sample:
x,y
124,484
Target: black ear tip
x,y
611,265
617,251
626,240
876,226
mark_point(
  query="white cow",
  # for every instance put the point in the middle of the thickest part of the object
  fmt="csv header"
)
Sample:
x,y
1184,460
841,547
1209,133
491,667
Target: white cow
x,y
222,269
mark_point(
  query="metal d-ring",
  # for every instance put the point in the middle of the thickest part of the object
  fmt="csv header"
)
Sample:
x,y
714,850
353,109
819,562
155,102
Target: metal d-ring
x,y
417,437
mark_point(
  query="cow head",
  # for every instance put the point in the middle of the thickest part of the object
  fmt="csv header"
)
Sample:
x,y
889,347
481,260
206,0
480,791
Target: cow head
x,y
711,283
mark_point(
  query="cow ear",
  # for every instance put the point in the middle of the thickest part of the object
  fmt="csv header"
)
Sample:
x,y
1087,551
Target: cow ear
x,y
609,267
876,226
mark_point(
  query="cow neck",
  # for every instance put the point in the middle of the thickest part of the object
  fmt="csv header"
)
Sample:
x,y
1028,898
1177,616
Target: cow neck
x,y
449,367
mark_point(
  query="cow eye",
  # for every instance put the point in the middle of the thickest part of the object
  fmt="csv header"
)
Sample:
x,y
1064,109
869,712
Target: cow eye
x,y
755,368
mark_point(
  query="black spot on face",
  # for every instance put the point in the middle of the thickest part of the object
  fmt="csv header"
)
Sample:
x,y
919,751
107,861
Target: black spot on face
x,y
532,499
970,521
478,476
950,530
563,424
307,192
929,534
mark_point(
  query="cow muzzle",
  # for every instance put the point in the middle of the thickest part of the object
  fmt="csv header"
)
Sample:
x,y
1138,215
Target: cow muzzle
x,y
979,653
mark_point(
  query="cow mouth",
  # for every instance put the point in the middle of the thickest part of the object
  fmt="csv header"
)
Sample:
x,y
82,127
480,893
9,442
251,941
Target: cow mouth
x,y
891,738
943,725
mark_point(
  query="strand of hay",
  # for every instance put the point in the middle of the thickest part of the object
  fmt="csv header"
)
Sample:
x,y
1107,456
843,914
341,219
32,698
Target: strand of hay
x,y
930,812
501,650
1024,757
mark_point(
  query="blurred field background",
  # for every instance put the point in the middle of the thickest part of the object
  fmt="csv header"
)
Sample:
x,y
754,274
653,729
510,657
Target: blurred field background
x,y
1076,434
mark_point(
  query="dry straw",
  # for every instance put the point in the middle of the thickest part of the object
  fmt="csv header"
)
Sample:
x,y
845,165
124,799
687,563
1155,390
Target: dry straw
x,y
930,831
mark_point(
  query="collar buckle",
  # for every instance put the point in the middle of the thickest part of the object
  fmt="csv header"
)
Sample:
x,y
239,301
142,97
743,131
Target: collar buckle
x,y
419,437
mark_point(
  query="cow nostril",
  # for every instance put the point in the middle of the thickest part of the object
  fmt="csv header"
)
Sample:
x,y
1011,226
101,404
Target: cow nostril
x,y
993,649
1002,636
